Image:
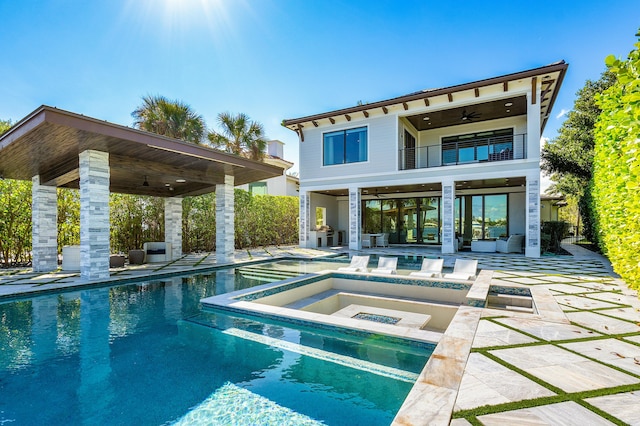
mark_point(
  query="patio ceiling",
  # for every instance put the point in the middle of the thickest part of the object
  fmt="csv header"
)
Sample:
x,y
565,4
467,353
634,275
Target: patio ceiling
x,y
397,191
49,140
510,107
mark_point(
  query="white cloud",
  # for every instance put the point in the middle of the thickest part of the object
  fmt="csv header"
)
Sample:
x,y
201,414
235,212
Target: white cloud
x,y
562,113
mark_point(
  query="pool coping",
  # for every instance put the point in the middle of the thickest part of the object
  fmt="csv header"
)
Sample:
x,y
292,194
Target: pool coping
x,y
241,301
57,285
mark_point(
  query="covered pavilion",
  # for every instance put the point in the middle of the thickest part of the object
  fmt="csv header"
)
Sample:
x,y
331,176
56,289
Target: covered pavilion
x,y
56,148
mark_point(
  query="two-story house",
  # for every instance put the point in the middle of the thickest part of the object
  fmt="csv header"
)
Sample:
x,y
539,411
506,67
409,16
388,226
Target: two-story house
x,y
444,166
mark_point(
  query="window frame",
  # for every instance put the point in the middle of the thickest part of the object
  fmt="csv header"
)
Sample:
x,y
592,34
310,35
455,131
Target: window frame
x,y
345,151
256,185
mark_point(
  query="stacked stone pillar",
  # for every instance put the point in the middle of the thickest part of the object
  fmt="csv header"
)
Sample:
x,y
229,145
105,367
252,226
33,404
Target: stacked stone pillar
x,y
173,225
532,240
449,242
94,215
305,218
225,228
44,230
355,219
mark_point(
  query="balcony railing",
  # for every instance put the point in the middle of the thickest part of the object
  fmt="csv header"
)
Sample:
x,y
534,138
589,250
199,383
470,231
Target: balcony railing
x,y
500,148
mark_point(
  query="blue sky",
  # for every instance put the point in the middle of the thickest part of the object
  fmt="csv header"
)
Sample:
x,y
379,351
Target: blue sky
x,y
277,59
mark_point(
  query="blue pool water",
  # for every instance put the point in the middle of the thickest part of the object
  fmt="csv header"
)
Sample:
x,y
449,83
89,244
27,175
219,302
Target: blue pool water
x,y
147,353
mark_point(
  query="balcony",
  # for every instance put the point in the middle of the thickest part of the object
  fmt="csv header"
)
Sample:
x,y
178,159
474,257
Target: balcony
x,y
501,148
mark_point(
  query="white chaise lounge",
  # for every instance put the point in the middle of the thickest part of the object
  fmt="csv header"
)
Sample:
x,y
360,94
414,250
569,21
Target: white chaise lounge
x,y
358,264
386,265
464,269
430,268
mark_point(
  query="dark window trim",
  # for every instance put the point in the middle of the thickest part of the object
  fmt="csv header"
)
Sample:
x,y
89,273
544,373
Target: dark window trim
x,y
344,133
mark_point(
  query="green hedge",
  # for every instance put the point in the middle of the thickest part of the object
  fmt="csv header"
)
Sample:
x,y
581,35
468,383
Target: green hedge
x,y
260,220
616,180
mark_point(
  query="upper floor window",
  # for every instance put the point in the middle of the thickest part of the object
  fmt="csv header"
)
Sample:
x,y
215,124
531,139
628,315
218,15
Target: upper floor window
x,y
344,146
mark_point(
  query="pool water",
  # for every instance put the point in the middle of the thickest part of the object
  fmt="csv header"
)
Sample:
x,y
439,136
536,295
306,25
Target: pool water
x,y
147,353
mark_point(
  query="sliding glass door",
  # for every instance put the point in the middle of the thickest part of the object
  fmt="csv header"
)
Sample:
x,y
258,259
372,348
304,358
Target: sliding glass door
x,y
419,220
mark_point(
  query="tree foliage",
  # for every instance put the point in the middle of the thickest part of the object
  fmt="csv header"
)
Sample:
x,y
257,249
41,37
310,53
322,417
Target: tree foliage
x,y
616,177
569,157
239,135
68,217
199,223
15,221
135,219
174,119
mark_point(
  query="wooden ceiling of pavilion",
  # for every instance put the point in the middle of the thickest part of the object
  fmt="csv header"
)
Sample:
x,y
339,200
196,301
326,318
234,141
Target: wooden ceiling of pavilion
x,y
48,141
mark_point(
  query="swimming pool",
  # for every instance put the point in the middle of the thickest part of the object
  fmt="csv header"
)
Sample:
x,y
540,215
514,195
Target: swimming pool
x,y
146,353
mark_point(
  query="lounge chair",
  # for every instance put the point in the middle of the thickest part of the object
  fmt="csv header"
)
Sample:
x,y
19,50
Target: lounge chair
x,y
430,268
464,270
358,264
386,265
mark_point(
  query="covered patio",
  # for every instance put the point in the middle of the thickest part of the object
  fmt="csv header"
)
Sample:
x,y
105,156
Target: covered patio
x,y
56,148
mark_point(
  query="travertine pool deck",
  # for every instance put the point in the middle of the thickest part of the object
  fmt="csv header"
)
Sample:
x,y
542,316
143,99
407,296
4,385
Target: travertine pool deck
x,y
576,366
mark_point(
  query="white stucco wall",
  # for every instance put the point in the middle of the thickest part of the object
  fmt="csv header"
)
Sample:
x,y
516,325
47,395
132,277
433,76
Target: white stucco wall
x,y
517,207
328,202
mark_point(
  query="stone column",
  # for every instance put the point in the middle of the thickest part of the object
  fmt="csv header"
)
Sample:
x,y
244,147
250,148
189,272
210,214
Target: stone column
x,y
94,215
355,219
449,242
305,216
44,226
532,241
173,225
225,228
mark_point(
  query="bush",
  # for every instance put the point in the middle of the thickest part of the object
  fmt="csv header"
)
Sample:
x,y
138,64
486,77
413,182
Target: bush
x,y
551,234
616,178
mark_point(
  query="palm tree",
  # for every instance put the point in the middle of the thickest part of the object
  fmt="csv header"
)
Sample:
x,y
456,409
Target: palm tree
x,y
239,136
174,119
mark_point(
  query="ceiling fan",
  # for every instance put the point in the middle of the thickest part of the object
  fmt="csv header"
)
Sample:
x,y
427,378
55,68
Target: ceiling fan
x,y
469,116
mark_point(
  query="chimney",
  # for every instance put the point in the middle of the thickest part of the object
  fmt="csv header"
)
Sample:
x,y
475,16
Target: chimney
x,y
275,148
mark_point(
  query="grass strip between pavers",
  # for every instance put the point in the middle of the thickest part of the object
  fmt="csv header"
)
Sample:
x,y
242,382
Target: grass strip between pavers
x,y
168,264
203,259
577,397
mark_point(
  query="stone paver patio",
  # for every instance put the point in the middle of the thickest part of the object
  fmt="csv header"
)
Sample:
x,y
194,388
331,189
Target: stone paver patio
x,y
580,369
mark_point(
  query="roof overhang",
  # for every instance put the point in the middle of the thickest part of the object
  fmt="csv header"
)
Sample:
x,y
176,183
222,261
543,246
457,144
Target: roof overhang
x,y
549,78
48,143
